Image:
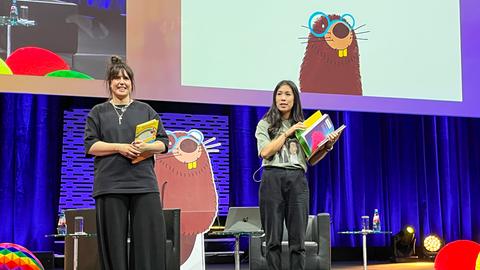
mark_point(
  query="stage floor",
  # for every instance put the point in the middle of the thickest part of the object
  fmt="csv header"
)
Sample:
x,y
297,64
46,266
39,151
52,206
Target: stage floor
x,y
348,266
341,266
383,265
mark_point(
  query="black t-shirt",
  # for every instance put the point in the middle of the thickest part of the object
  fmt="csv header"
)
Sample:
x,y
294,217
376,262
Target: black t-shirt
x,y
115,173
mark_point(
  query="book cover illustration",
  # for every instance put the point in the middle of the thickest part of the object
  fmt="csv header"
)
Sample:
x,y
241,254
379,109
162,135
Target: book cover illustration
x,y
315,136
317,129
146,132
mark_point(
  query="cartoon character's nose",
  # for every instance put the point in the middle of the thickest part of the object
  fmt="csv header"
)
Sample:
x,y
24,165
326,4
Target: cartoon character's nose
x,y
340,30
188,146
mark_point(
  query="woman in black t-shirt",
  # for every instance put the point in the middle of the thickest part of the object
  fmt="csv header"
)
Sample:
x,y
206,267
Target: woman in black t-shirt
x,y
126,195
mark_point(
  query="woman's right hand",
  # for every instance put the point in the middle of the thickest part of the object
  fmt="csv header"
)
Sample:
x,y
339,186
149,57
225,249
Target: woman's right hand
x,y
292,129
128,150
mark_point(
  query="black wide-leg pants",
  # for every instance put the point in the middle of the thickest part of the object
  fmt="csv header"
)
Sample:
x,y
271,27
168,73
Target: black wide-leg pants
x,y
284,195
142,215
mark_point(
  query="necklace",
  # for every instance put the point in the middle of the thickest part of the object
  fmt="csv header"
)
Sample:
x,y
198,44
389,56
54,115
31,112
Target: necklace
x,y
123,109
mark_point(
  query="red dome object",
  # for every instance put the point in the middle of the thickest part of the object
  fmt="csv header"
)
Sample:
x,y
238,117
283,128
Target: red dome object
x,y
461,255
35,61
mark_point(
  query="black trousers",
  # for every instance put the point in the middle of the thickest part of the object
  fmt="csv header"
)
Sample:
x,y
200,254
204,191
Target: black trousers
x,y
284,195
141,215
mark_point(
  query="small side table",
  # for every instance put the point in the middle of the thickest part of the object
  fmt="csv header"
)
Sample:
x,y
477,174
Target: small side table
x,y
364,234
75,237
237,235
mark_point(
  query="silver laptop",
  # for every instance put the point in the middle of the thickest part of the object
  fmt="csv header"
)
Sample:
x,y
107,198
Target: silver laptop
x,y
243,219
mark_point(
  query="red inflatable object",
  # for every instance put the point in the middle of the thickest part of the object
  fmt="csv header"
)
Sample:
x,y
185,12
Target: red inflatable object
x,y
458,255
35,61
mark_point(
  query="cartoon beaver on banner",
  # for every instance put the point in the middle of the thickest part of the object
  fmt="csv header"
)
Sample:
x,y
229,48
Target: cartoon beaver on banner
x,y
331,62
185,180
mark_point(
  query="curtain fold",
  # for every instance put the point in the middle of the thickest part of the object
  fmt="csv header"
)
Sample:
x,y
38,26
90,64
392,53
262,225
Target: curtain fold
x,y
31,154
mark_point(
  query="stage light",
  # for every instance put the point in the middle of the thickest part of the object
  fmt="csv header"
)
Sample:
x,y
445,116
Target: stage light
x,y
404,245
431,245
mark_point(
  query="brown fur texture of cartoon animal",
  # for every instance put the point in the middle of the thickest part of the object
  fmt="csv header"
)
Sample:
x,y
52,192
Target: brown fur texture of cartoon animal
x,y
185,180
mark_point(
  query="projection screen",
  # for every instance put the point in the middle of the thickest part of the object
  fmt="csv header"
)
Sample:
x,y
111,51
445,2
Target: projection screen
x,y
376,56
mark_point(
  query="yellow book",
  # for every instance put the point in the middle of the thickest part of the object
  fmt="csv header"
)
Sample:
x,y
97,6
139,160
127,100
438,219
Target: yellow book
x,y
312,119
146,132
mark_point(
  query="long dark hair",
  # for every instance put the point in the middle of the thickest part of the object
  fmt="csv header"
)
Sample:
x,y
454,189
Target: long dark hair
x,y
273,116
116,66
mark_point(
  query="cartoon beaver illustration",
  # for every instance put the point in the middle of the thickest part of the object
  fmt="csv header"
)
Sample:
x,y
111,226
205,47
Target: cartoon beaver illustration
x,y
185,180
331,61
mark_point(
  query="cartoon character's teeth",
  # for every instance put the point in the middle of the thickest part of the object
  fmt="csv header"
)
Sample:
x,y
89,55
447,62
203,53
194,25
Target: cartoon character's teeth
x,y
342,53
192,165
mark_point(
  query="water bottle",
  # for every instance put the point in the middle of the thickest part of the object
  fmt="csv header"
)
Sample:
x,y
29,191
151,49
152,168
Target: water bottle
x,y
376,221
62,224
14,13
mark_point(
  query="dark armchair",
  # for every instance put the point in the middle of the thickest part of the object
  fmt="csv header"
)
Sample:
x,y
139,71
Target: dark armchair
x,y
317,246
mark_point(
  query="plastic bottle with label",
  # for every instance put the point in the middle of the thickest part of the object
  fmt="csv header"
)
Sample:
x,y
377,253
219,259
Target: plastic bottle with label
x,y
376,221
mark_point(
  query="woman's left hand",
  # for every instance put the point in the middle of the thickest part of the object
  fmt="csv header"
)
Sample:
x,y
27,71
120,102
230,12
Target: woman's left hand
x,y
332,139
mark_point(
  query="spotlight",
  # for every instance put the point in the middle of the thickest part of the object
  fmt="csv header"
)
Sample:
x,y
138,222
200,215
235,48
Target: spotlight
x,y
431,245
403,244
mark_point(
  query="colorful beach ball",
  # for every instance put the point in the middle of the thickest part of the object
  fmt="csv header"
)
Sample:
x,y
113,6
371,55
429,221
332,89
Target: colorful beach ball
x,y
16,257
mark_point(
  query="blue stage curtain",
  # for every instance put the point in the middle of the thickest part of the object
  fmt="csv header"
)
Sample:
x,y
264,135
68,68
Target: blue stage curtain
x,y
244,155
30,139
417,170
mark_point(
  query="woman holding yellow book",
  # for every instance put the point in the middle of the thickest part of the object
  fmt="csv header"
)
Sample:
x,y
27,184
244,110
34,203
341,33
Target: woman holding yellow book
x,y
126,193
284,193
